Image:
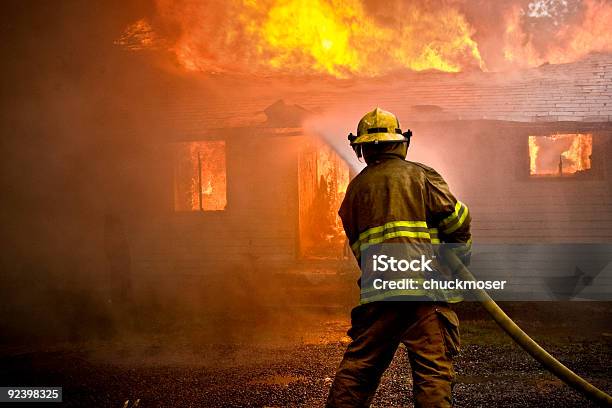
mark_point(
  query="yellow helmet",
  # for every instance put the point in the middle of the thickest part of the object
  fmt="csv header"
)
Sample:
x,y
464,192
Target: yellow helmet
x,y
379,126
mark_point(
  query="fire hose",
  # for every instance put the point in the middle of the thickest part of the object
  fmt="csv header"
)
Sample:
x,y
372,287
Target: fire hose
x,y
553,365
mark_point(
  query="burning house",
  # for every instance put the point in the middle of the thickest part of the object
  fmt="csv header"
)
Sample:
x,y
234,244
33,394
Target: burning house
x,y
261,177
250,126
172,172
229,146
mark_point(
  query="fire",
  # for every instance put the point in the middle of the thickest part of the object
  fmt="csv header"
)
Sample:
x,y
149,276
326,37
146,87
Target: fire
x,y
209,188
341,38
570,41
579,153
323,178
138,36
200,176
349,38
560,154
533,155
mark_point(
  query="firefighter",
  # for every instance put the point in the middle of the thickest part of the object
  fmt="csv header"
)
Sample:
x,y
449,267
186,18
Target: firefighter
x,y
395,200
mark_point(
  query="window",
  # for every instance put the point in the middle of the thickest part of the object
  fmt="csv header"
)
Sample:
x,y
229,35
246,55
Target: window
x,y
200,176
560,154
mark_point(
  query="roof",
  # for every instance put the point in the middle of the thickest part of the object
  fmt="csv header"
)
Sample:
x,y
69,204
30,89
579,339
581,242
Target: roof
x,y
580,91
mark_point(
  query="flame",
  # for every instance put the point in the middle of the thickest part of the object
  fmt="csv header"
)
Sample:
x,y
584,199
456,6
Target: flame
x,y
347,38
138,36
533,155
200,167
336,37
579,153
208,190
560,154
323,178
570,42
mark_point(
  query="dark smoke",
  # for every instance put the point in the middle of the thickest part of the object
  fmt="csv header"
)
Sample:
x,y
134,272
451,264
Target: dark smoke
x,y
81,172
66,160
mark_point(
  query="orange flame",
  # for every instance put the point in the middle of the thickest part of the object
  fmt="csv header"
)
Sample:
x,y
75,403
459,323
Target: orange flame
x,y
336,37
579,153
323,178
138,36
200,168
533,155
560,154
346,38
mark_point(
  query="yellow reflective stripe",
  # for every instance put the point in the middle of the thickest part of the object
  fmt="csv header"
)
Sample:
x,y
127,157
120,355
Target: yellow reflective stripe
x,y
369,294
462,246
439,296
392,224
395,234
393,293
414,280
453,216
458,223
363,237
433,232
462,251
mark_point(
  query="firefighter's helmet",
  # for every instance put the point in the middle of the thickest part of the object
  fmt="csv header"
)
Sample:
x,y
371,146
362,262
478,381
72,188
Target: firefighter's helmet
x,y
379,126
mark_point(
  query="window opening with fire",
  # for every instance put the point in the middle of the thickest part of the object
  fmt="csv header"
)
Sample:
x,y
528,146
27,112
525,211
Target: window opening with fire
x,y
560,154
200,181
322,177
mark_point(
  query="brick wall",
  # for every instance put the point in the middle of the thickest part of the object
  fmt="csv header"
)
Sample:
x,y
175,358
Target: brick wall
x,y
487,166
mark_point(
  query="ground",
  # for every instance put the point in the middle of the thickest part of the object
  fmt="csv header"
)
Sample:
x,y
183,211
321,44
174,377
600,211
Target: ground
x,y
290,360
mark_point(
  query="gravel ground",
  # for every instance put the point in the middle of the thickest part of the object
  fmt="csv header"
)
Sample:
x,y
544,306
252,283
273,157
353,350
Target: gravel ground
x,y
107,373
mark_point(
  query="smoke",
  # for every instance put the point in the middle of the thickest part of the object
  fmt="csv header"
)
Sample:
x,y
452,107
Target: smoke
x,y
66,164
88,251
333,128
82,169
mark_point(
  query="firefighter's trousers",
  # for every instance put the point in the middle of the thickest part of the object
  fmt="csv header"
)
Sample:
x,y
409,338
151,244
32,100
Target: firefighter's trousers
x,y
430,333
